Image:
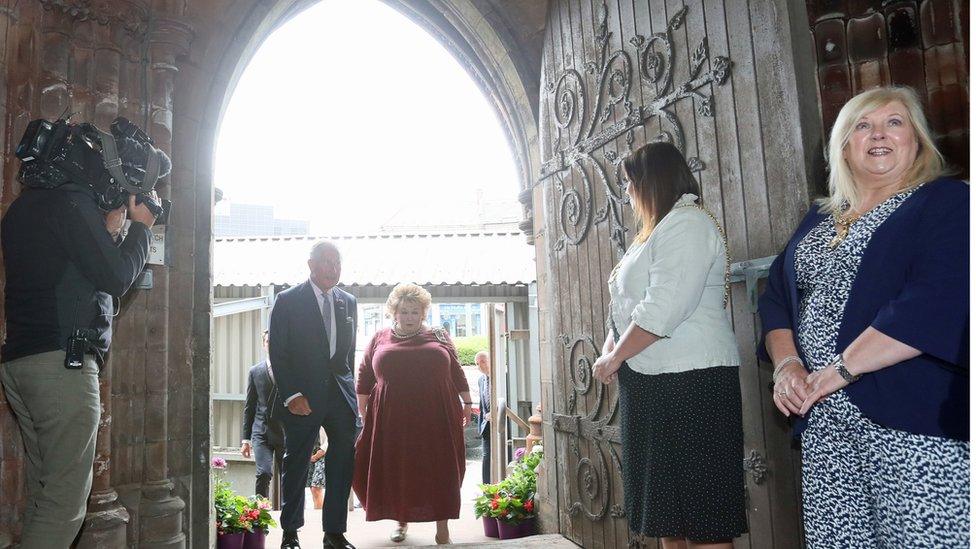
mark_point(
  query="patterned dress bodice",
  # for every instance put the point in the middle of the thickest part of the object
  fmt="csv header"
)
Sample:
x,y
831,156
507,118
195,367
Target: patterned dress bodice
x,y
825,276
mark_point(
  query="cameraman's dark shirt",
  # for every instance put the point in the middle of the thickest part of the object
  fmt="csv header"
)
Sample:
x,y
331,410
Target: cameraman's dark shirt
x,y
62,270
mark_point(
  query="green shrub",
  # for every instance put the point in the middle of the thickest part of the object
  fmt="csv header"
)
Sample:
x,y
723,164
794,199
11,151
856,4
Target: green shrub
x,y
469,346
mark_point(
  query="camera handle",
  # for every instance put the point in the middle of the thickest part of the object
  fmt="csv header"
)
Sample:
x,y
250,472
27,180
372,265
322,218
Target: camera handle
x,y
113,163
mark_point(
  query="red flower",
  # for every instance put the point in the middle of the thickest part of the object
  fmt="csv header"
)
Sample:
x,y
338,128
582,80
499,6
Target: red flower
x,y
494,503
529,505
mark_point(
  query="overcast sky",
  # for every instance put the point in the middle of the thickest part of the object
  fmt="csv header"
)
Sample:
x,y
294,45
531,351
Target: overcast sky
x,y
351,110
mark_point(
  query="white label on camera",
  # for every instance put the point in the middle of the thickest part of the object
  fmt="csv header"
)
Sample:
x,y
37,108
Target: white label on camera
x,y
157,246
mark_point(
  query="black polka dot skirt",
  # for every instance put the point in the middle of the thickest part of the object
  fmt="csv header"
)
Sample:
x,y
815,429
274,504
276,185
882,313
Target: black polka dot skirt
x,y
682,453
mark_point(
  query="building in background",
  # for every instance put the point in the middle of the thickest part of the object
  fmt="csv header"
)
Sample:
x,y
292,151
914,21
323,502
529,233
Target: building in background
x,y
256,220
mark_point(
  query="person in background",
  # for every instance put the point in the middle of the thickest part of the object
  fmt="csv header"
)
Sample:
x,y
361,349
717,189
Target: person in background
x,y
866,318
670,341
316,473
410,457
484,413
262,432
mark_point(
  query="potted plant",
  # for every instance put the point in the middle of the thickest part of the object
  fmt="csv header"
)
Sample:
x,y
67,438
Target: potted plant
x,y
515,515
227,508
257,511
482,509
513,506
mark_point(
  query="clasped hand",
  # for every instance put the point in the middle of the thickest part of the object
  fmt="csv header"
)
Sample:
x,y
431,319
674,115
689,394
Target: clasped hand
x,y
605,368
796,391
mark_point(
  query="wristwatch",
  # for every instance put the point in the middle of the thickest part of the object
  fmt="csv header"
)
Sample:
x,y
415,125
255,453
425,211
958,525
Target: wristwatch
x,y
838,363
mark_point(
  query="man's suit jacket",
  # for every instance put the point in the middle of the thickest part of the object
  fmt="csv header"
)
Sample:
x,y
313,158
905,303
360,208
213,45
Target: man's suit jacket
x,y
484,403
299,350
259,417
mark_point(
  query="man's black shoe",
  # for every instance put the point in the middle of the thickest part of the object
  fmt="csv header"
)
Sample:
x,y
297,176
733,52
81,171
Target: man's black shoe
x,y
336,541
290,540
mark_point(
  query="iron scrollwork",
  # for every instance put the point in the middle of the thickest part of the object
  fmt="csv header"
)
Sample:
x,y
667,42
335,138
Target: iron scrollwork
x,y
756,465
583,122
592,473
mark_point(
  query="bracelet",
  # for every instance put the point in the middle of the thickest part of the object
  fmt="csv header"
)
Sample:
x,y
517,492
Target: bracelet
x,y
840,365
466,402
782,364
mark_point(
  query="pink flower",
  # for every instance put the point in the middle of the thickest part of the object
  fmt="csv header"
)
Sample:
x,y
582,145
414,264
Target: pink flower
x,y
264,504
219,463
519,453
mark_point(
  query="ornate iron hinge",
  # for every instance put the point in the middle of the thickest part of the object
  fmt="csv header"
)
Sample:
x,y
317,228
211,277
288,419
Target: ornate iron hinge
x,y
756,464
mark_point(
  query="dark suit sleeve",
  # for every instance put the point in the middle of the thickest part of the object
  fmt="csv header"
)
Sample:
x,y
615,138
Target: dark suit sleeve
x,y
280,350
931,313
250,405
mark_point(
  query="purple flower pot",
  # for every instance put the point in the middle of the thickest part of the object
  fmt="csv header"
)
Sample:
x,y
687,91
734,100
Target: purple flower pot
x,y
512,530
491,526
230,541
254,540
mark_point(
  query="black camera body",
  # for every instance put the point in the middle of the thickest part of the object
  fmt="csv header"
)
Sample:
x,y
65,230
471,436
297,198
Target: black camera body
x,y
114,165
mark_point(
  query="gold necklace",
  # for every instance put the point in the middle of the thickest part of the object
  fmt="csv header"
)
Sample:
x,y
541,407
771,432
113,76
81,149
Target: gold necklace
x,y
725,243
843,224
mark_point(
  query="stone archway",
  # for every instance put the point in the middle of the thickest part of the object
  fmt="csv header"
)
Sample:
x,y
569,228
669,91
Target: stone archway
x,y
173,65
483,41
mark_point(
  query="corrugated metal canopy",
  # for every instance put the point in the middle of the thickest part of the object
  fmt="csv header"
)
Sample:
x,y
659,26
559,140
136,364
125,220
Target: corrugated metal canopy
x,y
384,259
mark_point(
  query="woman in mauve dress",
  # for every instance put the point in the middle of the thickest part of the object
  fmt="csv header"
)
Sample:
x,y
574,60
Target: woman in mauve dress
x,y
411,389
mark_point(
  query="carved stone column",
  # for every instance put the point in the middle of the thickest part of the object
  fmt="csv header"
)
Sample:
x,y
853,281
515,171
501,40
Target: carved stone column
x,y
107,519
161,511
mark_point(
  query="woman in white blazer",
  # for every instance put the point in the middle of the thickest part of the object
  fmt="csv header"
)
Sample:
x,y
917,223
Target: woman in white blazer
x,y
670,342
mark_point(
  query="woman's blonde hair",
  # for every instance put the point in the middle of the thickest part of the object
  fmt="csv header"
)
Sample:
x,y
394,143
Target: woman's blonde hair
x,y
406,291
928,165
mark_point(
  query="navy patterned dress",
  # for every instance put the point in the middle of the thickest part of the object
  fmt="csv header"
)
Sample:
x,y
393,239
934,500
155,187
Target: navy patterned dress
x,y
866,485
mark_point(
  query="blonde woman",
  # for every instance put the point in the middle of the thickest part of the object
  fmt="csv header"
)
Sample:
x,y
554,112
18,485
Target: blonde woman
x,y
866,318
671,344
410,456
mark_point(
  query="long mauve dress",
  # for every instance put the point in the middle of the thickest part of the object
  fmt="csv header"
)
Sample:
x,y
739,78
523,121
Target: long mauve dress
x,y
410,456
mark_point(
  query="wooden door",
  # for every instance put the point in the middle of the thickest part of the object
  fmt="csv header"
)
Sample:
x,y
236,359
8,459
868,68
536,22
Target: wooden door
x,y
729,85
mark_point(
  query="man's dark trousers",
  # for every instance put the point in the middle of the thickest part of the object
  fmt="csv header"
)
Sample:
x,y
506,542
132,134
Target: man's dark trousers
x,y
486,456
266,453
301,436
262,427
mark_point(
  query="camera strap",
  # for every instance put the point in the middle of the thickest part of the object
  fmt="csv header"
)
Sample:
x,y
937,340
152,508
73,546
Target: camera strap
x,y
113,163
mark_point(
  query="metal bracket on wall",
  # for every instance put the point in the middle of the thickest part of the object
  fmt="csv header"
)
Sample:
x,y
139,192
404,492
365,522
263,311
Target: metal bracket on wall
x,y
750,272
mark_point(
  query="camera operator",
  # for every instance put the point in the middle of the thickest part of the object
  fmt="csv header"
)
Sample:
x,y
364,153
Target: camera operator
x,y
64,262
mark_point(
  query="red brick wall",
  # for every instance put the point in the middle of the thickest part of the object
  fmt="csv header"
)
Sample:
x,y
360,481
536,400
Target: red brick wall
x,y
862,44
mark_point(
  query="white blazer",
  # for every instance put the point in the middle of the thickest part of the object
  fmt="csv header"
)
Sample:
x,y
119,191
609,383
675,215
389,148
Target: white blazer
x,y
673,285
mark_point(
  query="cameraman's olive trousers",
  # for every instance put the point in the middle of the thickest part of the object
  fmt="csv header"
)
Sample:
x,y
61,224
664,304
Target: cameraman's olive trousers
x,y
58,411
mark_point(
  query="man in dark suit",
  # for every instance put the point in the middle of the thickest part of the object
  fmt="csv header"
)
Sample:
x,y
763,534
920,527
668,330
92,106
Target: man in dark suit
x,y
261,430
312,349
484,413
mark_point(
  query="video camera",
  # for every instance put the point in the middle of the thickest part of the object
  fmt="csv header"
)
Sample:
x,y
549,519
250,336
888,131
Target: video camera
x,y
114,165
